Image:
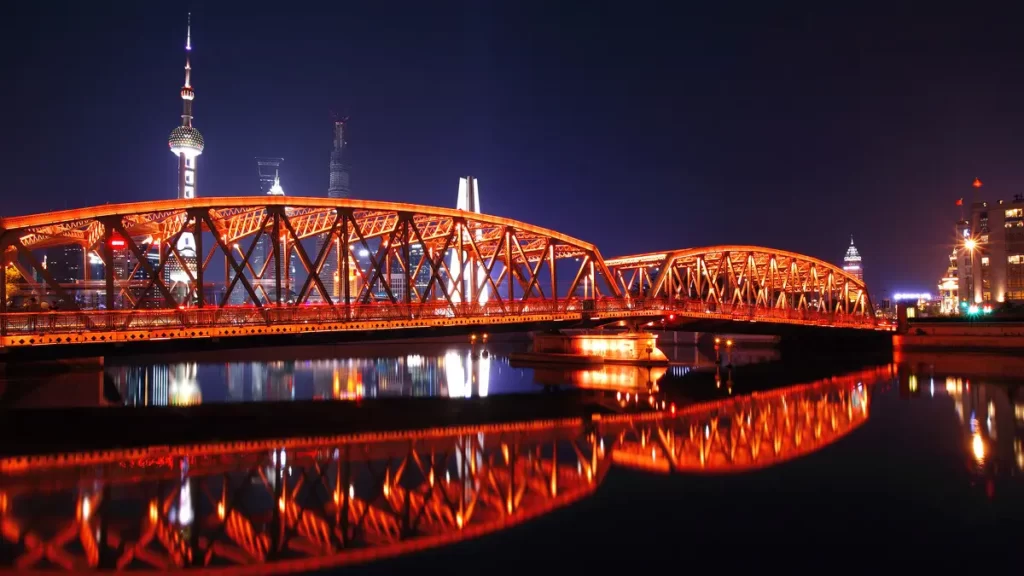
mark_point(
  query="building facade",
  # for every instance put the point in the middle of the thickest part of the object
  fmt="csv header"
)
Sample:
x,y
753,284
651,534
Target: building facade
x,y
852,264
66,264
262,259
949,287
469,201
337,187
990,252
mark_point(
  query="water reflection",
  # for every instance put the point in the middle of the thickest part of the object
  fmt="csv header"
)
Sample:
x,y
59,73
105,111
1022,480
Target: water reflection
x,y
608,377
459,372
301,504
991,416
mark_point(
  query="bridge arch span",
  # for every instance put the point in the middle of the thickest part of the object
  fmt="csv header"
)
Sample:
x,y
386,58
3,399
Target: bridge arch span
x,y
197,267
749,282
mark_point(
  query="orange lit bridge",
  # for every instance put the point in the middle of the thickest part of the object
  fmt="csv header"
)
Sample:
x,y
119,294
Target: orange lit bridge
x,y
273,265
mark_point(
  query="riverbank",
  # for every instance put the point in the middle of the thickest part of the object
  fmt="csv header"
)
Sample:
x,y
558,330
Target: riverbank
x,y
962,336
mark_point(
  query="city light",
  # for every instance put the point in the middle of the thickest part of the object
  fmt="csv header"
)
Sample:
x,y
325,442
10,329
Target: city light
x,y
901,296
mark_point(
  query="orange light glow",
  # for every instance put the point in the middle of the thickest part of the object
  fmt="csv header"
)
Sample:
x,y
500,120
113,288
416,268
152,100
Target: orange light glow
x,y
978,447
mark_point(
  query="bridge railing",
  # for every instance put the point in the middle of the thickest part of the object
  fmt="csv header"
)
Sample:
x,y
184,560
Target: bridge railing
x,y
52,322
695,308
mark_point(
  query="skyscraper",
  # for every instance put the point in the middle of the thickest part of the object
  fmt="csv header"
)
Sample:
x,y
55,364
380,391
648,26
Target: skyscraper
x,y
852,263
269,170
337,187
186,142
469,200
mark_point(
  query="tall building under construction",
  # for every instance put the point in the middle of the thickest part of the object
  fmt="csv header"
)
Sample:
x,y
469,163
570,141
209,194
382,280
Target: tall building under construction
x,y
337,187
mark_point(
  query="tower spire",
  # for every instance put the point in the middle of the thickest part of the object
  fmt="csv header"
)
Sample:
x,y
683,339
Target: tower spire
x,y
185,141
852,263
187,93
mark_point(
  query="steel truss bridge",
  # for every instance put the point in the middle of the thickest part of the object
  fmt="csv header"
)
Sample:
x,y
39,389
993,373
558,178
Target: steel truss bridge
x,y
267,265
283,506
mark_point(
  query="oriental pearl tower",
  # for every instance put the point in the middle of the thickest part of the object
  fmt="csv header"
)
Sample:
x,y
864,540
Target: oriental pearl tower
x,y
186,143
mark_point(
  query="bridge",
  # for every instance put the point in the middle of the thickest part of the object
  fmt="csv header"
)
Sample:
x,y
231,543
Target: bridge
x,y
274,265
306,504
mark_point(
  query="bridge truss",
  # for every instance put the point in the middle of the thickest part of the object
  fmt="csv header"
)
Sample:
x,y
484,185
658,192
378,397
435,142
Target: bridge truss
x,y
746,283
250,266
274,264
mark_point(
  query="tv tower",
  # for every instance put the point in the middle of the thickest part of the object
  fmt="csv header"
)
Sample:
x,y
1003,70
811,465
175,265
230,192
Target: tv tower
x,y
187,144
185,141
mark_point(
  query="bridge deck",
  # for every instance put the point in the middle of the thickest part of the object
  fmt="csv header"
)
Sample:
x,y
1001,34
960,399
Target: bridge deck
x,y
85,327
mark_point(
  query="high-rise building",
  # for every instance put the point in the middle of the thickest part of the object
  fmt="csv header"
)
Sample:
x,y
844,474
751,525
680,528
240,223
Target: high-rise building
x,y
186,143
852,263
339,184
337,187
469,201
65,263
990,252
286,252
269,171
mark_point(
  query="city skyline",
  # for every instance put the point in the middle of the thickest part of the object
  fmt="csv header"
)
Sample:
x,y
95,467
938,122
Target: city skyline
x,y
537,153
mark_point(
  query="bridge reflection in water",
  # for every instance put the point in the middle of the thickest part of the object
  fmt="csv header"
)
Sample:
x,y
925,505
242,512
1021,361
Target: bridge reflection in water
x,y
305,504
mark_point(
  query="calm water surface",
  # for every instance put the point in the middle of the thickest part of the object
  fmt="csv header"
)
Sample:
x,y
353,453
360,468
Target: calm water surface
x,y
349,373
919,461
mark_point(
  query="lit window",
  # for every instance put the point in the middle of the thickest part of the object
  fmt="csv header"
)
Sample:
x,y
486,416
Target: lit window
x,y
984,260
1015,259
1015,213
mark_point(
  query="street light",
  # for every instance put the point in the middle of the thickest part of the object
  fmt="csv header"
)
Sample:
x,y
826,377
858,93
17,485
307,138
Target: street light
x,y
971,244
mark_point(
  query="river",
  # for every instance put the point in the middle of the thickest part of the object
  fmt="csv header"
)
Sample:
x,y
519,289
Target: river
x,y
811,463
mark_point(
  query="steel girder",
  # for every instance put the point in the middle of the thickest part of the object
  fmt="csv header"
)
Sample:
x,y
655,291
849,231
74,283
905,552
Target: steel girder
x,y
390,261
751,282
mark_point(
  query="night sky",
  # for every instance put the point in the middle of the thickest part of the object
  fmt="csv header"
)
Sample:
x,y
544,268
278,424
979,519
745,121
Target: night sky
x,y
637,127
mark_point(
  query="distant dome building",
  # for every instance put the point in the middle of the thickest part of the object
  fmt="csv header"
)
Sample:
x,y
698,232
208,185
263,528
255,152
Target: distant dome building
x,y
852,262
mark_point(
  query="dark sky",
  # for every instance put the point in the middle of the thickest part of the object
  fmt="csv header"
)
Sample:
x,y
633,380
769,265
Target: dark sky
x,y
636,126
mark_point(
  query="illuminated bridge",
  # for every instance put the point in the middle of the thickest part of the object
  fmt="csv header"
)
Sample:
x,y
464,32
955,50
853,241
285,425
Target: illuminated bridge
x,y
268,265
289,505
